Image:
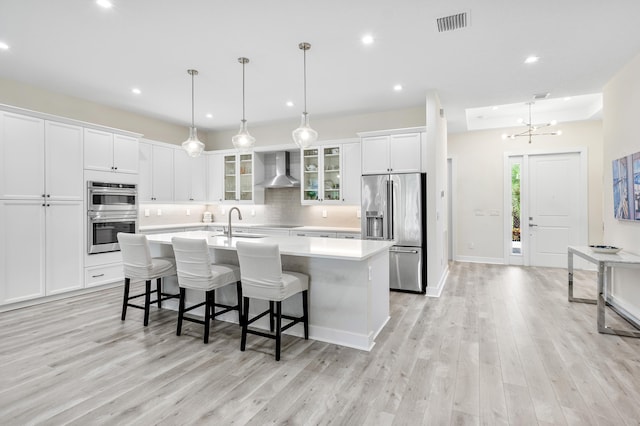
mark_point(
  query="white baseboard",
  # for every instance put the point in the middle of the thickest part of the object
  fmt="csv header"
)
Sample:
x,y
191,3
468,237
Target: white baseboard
x,y
477,259
436,291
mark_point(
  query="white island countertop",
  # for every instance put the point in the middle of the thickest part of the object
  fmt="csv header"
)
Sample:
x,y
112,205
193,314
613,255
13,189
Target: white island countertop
x,y
317,247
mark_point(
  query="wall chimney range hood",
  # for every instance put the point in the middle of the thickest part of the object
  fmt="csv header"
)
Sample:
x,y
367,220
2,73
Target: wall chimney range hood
x,y
282,178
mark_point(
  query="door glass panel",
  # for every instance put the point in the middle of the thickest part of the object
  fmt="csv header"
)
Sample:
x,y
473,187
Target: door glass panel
x,y
310,181
229,177
516,243
246,174
331,157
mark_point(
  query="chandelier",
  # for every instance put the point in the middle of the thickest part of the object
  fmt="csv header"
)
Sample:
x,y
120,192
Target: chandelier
x,y
533,129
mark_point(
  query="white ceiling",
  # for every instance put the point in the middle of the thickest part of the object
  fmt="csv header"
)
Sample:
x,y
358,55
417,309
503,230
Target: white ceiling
x,y
77,48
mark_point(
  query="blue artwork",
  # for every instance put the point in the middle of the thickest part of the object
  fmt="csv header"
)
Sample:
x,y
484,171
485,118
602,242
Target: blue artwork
x,y
626,187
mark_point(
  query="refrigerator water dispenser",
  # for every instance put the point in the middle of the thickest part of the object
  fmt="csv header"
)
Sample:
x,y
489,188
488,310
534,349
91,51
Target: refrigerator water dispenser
x,y
374,224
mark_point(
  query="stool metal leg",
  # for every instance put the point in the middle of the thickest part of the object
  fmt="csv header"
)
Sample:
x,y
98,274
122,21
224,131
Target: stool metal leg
x,y
305,314
271,315
209,305
239,294
147,301
125,299
159,292
180,311
278,328
245,320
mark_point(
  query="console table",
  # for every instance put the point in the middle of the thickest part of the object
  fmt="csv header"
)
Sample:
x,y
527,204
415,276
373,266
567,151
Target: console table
x,y
605,263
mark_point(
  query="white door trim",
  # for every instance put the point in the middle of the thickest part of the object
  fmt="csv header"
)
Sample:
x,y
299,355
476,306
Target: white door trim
x,y
583,201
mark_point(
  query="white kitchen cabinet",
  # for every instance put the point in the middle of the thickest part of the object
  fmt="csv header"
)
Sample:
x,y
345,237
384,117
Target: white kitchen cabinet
x,y
21,156
63,162
215,177
41,248
349,235
324,234
272,232
321,177
189,177
106,151
41,159
393,153
240,171
103,274
156,173
351,173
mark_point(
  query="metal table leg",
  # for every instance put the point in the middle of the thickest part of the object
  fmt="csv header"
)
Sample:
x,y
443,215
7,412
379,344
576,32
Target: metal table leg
x,y
570,269
604,280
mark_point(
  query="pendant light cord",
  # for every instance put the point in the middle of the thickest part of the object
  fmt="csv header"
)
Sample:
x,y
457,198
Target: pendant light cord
x,y
304,61
243,119
192,100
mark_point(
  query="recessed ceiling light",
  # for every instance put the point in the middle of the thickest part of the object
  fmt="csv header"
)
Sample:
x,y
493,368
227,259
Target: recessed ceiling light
x,y
494,108
367,39
209,115
568,98
532,59
136,91
289,103
104,3
397,87
4,46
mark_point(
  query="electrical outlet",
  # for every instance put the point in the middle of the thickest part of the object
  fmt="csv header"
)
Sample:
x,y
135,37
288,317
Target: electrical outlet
x,y
358,213
253,212
159,212
471,246
324,213
146,212
222,210
188,212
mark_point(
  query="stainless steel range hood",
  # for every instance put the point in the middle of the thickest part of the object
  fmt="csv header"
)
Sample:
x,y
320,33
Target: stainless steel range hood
x,y
282,179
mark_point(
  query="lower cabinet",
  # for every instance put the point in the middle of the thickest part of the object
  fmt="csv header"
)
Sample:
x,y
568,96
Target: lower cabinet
x,y
103,274
41,248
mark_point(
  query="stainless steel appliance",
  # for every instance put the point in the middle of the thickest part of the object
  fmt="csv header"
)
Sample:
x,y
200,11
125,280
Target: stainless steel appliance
x,y
394,209
111,208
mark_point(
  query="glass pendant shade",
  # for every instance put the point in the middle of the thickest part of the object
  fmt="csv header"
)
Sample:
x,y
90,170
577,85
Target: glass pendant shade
x,y
192,145
304,135
243,141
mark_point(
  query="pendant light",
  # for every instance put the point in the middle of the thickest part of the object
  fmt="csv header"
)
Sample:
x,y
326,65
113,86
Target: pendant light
x,y
243,141
192,145
304,135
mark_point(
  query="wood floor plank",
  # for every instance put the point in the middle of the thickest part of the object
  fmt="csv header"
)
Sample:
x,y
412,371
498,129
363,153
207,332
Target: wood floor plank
x,y
502,345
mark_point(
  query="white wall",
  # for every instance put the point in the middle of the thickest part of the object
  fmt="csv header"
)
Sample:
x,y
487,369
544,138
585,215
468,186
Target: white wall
x,y
434,162
478,159
328,128
33,98
621,112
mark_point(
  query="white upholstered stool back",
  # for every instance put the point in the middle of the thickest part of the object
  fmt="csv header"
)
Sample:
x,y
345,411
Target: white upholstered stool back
x,y
138,264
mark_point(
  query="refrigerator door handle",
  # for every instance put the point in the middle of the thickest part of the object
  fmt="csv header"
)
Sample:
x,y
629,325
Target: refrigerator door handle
x,y
395,250
390,216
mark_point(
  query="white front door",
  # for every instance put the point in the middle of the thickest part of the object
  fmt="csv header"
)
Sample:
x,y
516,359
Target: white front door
x,y
554,208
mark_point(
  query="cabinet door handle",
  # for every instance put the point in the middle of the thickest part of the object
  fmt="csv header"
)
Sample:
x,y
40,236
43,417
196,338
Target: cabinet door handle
x,y
97,276
44,195
324,235
48,195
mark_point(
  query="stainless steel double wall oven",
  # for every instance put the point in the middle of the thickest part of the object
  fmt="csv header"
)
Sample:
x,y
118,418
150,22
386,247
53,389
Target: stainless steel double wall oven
x,y
111,208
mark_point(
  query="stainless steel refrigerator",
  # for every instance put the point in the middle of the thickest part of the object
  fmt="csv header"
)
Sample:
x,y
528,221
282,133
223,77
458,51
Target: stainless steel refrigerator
x,y
394,209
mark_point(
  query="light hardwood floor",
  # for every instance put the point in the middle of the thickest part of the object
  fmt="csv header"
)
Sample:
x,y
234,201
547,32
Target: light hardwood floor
x,y
501,346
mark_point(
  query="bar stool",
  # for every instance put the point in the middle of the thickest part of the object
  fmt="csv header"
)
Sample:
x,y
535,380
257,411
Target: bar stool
x,y
196,272
139,265
263,278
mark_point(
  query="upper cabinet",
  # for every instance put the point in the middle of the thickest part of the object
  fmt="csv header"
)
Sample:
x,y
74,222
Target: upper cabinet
x,y
189,177
156,173
215,177
396,152
331,174
240,172
106,151
40,159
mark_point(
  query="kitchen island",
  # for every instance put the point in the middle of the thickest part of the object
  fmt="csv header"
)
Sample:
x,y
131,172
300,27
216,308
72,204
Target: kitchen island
x,y
348,287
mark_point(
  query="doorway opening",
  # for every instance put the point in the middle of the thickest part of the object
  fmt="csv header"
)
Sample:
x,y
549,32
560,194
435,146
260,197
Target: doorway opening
x,y
516,240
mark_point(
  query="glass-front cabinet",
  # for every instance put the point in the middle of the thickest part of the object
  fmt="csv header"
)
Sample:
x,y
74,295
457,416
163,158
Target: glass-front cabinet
x,y
239,178
321,171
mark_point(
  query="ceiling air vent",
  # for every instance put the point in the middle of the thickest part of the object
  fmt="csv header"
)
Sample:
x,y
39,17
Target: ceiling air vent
x,y
453,22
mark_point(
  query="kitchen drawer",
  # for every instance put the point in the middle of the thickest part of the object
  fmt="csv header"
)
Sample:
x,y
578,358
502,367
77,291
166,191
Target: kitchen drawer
x,y
271,232
103,274
313,234
349,235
